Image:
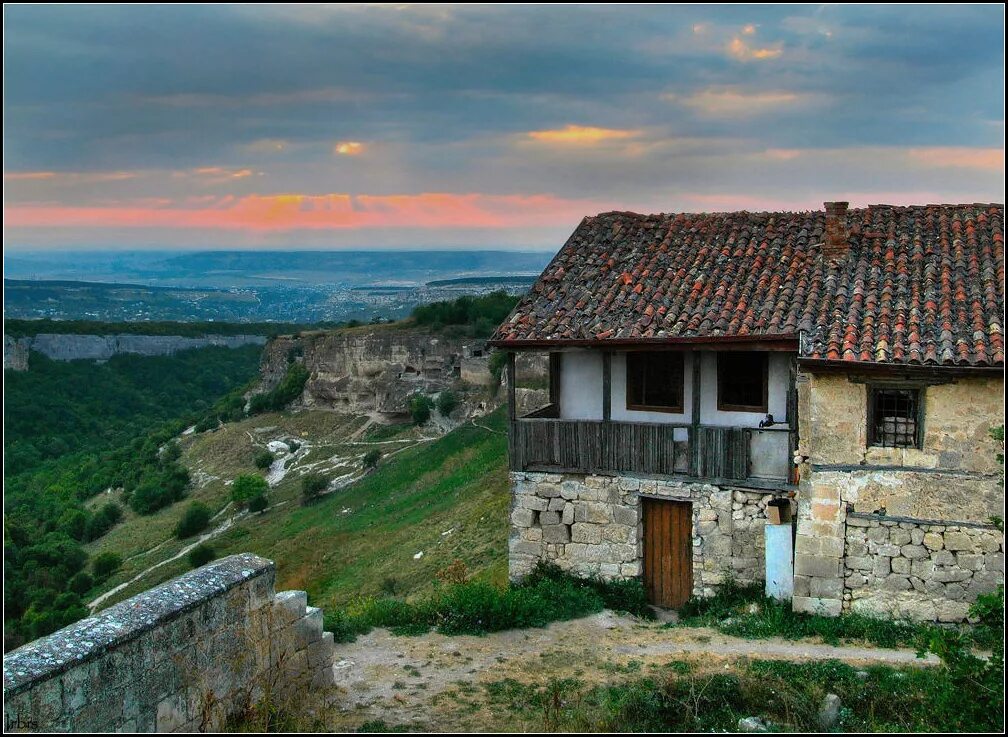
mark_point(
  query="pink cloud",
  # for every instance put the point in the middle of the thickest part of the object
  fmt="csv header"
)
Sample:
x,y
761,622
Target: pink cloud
x,y
264,213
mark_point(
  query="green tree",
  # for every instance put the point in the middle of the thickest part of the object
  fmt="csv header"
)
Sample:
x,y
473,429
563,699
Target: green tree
x,y
247,486
420,408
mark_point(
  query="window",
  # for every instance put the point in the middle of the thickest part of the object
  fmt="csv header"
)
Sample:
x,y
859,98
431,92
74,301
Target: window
x,y
742,381
654,381
894,419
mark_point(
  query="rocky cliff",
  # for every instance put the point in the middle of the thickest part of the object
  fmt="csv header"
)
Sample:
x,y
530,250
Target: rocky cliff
x,y
102,347
375,370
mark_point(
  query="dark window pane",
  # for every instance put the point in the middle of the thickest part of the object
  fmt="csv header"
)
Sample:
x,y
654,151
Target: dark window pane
x,y
742,381
655,381
894,418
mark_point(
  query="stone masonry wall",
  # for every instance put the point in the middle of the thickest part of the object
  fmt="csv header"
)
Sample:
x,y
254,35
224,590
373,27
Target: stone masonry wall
x,y
902,568
953,477
180,657
592,526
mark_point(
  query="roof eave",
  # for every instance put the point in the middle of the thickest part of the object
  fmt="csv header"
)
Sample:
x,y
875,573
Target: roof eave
x,y
893,366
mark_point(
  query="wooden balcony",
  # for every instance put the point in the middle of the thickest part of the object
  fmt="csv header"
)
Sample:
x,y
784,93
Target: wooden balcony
x,y
754,457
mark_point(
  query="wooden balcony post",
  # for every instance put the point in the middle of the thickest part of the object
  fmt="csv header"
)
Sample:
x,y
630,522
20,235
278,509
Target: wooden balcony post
x,y
694,432
606,386
554,378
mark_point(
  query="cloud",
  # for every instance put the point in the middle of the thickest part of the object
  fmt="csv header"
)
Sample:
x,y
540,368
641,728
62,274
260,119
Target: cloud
x,y
293,212
348,148
69,177
739,49
722,102
960,157
581,135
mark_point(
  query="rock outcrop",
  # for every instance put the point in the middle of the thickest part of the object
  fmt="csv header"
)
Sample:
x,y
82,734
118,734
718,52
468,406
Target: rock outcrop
x,y
62,347
375,370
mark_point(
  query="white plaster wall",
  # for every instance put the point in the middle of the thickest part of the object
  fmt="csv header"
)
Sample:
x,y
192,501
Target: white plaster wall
x,y
777,384
581,385
581,391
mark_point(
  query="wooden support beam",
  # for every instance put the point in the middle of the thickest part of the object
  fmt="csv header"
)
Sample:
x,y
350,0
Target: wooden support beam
x,y
512,409
606,386
694,435
554,379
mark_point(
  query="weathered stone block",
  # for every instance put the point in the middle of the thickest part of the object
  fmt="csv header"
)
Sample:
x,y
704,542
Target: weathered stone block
x,y
547,519
522,517
956,541
556,533
584,532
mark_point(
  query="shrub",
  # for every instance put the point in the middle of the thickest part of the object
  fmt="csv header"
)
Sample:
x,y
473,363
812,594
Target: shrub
x,y
476,608
312,486
210,422
289,389
294,445
419,408
193,520
977,693
446,402
201,555
258,503
246,487
263,460
371,458
105,564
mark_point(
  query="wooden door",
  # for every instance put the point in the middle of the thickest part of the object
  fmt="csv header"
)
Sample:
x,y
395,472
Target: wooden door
x,y
668,551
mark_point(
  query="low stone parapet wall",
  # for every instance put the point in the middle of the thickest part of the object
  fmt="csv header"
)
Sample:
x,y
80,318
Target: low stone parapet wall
x,y
183,656
918,569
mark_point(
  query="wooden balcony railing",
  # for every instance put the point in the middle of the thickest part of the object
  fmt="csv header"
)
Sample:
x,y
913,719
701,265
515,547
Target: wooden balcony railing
x,y
761,457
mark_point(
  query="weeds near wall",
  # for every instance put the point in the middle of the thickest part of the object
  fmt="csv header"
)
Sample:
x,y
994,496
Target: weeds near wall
x,y
476,608
744,611
689,697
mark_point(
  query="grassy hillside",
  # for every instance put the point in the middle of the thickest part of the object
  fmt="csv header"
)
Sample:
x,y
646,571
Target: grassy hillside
x,y
444,497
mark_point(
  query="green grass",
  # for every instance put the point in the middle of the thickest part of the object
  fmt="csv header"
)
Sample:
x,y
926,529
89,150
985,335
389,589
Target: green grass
x,y
785,695
744,611
351,543
477,608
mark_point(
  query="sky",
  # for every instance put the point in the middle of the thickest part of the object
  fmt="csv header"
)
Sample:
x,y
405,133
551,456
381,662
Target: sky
x,y
373,126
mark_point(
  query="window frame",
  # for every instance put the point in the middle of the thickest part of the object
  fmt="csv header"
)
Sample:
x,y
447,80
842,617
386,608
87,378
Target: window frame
x,y
669,409
871,441
723,406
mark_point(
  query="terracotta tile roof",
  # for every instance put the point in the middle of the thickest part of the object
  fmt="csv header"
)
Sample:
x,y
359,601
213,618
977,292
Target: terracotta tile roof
x,y
920,285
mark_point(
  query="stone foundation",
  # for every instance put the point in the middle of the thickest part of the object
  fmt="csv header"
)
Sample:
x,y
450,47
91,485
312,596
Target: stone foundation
x,y
181,657
902,568
591,525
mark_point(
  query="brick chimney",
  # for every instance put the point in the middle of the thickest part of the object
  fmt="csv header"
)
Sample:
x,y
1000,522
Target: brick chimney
x,y
836,242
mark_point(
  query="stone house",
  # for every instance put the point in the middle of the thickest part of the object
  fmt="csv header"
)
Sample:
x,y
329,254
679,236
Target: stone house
x,y
847,363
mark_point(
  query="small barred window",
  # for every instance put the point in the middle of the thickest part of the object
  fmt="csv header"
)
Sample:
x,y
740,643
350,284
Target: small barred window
x,y
894,417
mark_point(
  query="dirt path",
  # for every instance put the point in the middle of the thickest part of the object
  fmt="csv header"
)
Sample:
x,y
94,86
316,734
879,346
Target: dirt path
x,y
435,682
